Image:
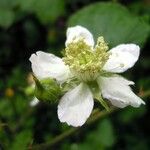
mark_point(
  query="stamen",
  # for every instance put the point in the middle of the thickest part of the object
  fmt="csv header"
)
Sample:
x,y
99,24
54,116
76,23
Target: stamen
x,y
84,61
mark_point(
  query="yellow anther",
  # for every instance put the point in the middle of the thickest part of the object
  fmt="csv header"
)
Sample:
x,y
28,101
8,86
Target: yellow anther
x,y
85,61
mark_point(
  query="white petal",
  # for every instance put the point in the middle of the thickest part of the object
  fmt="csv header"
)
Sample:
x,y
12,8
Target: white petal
x,y
117,90
76,106
48,65
34,102
122,57
79,32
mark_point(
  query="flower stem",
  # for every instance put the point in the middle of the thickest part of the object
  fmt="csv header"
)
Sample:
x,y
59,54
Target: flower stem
x,y
96,115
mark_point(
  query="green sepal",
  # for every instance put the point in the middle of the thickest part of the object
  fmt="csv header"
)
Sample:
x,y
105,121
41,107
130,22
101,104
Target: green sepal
x,y
97,95
107,74
47,90
103,103
70,84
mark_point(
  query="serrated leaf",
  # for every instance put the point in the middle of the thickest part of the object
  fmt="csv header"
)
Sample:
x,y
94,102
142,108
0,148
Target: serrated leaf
x,y
113,21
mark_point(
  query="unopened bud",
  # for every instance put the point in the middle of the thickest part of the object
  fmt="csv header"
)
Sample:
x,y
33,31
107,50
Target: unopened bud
x,y
47,90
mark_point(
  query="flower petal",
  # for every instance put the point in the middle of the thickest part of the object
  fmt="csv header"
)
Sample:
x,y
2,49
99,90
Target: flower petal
x,y
117,90
122,57
79,32
48,65
76,106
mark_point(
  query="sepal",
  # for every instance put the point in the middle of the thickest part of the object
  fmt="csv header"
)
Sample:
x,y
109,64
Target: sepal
x,y
47,90
97,95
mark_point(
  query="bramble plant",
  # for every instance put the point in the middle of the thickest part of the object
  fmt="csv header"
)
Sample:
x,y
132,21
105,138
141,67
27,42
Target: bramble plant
x,y
70,94
90,70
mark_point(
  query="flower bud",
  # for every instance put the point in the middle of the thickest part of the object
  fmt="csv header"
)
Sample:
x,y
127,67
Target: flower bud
x,y
47,90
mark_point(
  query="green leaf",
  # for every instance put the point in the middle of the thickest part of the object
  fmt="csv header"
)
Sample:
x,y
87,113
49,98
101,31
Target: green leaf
x,y
7,4
49,10
22,140
99,139
6,18
26,5
106,133
6,108
114,22
103,136
46,10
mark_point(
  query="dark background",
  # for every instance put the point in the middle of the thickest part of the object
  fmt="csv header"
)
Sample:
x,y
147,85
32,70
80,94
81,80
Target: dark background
x,y
27,26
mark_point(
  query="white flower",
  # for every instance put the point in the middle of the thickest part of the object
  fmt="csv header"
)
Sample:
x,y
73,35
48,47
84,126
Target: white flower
x,y
91,66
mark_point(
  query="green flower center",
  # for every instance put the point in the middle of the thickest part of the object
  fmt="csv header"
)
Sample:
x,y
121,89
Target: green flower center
x,y
84,61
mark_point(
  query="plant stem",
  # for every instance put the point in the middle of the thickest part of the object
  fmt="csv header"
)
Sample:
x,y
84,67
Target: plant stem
x,y
94,117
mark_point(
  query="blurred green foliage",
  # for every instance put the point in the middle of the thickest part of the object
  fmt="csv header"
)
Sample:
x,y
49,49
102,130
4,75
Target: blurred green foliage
x,y
30,25
101,137
46,10
114,22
